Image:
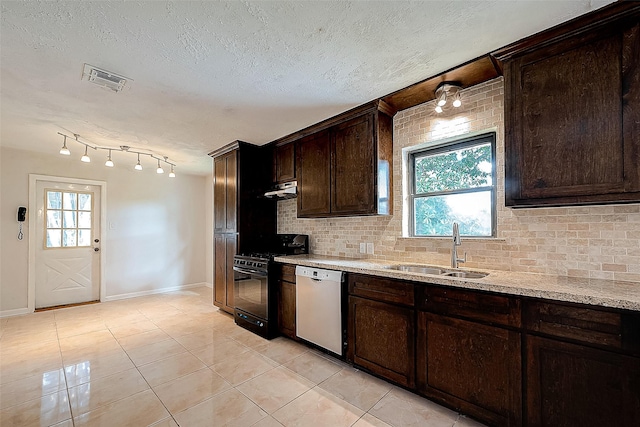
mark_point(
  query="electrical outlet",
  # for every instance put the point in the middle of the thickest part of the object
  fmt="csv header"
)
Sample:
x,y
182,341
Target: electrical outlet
x,y
363,248
370,248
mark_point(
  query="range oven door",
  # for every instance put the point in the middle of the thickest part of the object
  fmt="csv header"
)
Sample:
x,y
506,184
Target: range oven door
x,y
251,292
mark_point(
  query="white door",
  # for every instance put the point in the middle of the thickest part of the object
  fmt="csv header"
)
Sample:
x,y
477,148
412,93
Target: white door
x,y
67,245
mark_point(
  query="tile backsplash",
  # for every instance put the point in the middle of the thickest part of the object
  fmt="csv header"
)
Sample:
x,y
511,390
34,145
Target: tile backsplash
x,y
586,241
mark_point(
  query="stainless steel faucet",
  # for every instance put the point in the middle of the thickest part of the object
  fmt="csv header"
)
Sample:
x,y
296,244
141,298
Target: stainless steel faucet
x,y
454,251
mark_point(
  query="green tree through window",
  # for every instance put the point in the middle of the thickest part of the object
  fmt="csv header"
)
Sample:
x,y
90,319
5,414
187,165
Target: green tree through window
x,y
454,183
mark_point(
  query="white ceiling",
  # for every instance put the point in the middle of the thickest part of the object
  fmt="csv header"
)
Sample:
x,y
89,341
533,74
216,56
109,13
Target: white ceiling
x,y
206,73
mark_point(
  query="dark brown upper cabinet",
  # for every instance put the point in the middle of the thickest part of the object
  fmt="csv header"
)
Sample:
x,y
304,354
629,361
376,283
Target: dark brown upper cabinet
x,y
572,111
314,174
345,169
284,163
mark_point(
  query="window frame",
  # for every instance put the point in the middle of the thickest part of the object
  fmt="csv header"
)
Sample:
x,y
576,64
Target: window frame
x,y
457,144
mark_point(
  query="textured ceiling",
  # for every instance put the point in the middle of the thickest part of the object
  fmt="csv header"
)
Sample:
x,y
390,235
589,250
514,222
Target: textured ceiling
x,y
206,73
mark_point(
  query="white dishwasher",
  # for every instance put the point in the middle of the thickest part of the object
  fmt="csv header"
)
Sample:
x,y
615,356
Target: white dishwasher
x,y
319,307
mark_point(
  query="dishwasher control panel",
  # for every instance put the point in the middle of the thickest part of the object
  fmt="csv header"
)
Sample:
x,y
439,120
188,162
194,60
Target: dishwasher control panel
x,y
317,274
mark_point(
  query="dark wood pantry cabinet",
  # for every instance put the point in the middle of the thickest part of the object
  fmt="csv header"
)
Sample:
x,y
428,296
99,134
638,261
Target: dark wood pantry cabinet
x,y
572,111
243,220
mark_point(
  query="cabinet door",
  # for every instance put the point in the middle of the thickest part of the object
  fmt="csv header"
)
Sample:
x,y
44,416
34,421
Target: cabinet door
x,y
220,194
287,308
471,367
224,250
232,193
313,172
353,172
220,270
230,242
572,120
285,165
573,385
382,339
225,193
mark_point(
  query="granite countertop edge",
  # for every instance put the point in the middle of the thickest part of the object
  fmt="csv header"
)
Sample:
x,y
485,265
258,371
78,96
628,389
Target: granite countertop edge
x,y
597,292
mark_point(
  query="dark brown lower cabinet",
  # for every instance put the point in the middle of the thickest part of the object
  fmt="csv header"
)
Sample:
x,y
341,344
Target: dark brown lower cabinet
x,y
287,308
574,385
473,367
382,339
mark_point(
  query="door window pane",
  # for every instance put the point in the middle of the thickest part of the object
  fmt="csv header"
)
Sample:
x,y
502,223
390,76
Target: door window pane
x,y
54,238
69,201
84,202
69,238
84,219
53,219
69,219
84,237
54,200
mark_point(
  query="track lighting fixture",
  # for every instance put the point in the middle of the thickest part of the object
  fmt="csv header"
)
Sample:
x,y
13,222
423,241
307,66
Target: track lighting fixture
x,y
64,150
109,162
85,158
138,166
447,91
123,148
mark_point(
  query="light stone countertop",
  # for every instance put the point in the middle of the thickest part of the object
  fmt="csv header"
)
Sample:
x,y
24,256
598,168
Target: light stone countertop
x,y
598,292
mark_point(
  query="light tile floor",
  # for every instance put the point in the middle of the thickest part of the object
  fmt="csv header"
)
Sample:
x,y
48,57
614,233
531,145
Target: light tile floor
x,y
175,360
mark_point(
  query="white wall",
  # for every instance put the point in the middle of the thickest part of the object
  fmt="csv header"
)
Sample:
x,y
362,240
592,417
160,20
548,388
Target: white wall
x,y
156,234
209,229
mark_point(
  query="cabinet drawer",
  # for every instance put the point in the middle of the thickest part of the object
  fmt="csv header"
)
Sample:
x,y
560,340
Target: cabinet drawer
x,y
288,273
381,289
577,323
496,309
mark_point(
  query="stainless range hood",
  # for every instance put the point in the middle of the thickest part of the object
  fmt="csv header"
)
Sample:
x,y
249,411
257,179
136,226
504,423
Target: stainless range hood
x,y
288,190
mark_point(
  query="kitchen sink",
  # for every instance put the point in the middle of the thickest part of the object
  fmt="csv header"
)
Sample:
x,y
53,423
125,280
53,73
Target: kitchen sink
x,y
466,274
418,269
437,271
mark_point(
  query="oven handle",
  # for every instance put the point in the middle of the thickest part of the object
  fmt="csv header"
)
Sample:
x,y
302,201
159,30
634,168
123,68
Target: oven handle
x,y
248,271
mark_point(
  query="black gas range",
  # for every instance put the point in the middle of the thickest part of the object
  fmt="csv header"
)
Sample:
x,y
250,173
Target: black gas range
x,y
255,294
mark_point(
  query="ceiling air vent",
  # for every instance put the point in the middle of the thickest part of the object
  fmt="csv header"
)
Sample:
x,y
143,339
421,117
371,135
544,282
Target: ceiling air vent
x,y
103,78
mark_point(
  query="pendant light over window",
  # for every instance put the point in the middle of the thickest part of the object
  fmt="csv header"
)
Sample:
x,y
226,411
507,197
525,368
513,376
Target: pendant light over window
x,y
447,93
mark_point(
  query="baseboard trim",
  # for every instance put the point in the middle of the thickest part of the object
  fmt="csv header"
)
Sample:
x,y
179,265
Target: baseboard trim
x,y
14,312
152,292
208,285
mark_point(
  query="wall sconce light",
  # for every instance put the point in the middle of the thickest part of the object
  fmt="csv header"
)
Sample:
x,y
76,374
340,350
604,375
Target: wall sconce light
x,y
445,92
123,148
